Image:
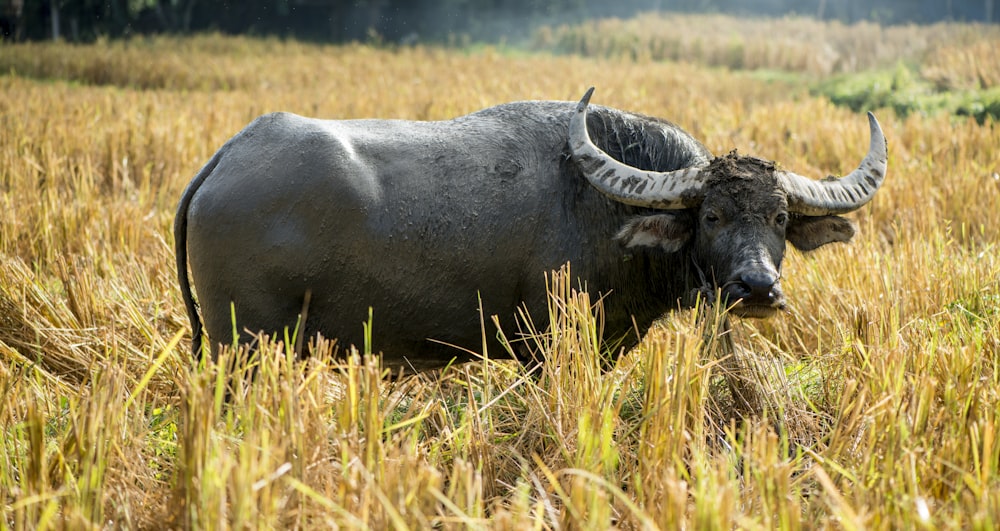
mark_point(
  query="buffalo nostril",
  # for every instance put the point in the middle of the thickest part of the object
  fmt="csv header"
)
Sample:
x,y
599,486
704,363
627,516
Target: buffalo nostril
x,y
757,285
739,290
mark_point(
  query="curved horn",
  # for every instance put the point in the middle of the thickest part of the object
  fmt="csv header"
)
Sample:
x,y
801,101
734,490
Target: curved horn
x,y
664,190
837,196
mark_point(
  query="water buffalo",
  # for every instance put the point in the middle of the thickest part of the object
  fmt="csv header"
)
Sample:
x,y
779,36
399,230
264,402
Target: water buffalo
x,y
423,222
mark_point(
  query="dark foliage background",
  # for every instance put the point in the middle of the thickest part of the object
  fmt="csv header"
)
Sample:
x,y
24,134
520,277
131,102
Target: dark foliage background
x,y
405,21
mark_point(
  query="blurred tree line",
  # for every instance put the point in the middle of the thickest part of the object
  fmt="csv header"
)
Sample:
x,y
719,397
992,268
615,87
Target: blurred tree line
x,y
405,21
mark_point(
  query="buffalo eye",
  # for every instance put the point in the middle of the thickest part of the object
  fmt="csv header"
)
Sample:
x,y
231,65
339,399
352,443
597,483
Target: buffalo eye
x,y
711,218
781,219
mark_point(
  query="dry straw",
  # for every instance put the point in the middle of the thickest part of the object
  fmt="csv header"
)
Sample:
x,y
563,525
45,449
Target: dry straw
x,y
873,402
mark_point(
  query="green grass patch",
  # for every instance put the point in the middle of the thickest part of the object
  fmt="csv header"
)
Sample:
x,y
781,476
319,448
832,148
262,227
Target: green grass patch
x,y
903,90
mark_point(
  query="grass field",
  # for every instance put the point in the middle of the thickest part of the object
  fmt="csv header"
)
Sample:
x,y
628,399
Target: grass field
x,y
873,403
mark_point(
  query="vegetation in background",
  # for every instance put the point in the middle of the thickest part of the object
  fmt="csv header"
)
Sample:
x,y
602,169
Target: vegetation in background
x,y
425,21
905,91
795,44
873,402
944,67
959,79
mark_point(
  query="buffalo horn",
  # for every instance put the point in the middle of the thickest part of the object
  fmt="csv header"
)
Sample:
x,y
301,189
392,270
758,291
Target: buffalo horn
x,y
837,196
663,190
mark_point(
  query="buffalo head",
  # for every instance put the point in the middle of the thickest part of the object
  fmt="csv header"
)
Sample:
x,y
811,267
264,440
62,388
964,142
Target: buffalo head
x,y
734,214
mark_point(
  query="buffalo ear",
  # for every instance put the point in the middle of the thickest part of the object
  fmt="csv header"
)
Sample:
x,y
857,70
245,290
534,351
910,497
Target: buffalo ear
x,y
809,232
666,231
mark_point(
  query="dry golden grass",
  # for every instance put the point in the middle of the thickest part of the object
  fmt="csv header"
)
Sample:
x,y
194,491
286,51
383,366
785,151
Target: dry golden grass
x,y
795,44
873,403
974,66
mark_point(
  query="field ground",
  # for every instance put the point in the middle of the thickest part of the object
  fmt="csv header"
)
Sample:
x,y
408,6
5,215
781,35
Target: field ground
x,y
873,403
